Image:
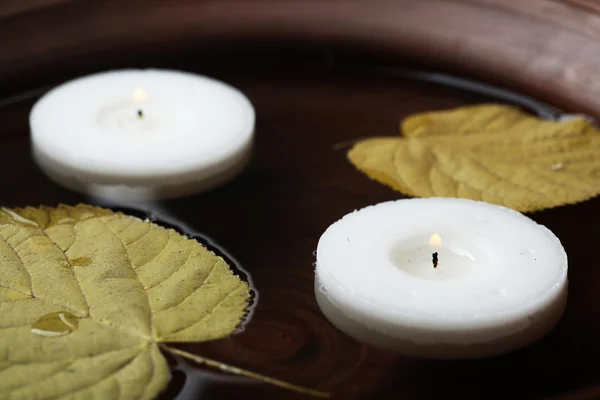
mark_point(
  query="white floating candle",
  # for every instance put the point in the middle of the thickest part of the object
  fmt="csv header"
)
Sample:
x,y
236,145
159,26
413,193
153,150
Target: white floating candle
x,y
142,134
500,281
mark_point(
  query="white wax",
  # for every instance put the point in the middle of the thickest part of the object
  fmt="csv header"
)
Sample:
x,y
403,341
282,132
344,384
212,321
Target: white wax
x,y
500,284
142,134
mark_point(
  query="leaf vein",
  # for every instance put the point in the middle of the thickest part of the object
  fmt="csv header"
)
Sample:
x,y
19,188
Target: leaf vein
x,y
209,311
136,239
40,379
73,274
22,264
507,180
195,290
111,375
152,375
15,290
175,271
73,242
158,255
150,315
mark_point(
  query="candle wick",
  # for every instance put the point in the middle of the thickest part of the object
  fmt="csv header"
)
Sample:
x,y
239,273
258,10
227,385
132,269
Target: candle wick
x,y
140,114
434,256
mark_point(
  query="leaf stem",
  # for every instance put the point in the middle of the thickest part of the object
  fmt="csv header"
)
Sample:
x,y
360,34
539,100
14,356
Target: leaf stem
x,y
350,143
242,372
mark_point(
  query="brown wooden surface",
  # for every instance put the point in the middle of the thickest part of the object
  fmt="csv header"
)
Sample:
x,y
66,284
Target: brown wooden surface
x,y
588,5
271,217
548,48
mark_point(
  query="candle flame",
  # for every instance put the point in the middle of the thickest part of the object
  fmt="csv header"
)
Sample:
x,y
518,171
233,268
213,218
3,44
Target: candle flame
x,y
435,240
139,95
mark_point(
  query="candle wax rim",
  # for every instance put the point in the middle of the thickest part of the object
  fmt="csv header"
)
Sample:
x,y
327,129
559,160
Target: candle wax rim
x,y
338,291
130,159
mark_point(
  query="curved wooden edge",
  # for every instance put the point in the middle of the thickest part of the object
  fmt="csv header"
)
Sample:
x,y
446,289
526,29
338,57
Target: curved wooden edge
x,y
545,48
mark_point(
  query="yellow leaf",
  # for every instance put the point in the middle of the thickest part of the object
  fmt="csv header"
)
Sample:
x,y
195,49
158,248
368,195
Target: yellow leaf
x,y
88,295
494,153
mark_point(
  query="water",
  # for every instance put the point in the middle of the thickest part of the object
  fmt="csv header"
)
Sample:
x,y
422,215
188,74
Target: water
x,y
59,323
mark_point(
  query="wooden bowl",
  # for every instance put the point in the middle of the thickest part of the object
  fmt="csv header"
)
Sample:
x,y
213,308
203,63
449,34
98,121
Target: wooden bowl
x,y
321,73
